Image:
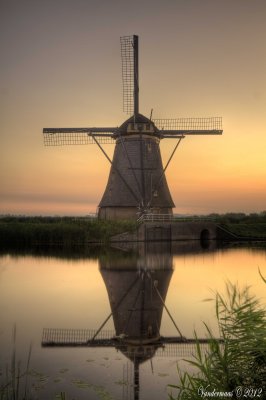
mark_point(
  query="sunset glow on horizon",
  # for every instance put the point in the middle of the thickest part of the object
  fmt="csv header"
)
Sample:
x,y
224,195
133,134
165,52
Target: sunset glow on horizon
x,y
61,67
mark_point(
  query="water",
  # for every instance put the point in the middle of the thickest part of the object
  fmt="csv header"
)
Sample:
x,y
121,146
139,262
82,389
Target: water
x,y
80,290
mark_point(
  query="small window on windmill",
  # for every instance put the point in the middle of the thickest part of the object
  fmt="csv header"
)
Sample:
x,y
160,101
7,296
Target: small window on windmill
x,y
147,127
149,147
155,193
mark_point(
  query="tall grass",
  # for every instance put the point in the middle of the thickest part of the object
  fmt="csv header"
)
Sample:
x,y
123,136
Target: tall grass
x,y
16,385
65,231
240,362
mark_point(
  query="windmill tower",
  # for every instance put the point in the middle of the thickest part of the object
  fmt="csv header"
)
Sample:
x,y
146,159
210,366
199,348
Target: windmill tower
x,y
137,182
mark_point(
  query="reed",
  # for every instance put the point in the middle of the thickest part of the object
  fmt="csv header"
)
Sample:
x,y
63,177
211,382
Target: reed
x,y
16,385
236,367
65,231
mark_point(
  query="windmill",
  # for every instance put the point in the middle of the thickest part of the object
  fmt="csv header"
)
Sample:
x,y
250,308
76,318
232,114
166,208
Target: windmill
x,y
137,184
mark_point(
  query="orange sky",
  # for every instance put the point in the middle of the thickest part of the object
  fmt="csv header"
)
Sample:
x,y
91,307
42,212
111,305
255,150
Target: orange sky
x,y
60,67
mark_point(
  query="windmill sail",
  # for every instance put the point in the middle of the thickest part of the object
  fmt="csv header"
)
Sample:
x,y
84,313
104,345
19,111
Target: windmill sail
x,y
77,136
190,126
130,74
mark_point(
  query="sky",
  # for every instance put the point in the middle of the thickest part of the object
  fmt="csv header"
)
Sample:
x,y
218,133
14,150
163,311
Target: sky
x,y
61,67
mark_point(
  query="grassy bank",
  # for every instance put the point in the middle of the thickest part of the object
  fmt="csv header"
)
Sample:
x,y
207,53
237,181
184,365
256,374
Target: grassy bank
x,y
70,231
66,231
246,225
248,230
252,225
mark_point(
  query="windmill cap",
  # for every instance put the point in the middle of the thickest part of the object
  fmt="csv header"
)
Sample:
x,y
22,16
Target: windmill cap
x,y
138,119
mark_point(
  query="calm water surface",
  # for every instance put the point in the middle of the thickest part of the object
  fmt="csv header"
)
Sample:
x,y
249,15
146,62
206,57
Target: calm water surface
x,y
130,287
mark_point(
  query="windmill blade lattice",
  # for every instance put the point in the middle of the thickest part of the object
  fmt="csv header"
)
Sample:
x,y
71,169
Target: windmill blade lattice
x,y
77,136
166,346
190,125
129,56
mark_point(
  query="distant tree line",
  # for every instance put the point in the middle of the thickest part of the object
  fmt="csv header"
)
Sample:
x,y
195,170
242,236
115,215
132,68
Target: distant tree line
x,y
247,225
232,217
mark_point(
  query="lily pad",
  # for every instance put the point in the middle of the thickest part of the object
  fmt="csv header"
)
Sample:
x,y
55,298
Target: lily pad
x,y
102,392
121,383
81,384
63,370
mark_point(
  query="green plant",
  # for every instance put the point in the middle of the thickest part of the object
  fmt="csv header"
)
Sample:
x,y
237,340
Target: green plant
x,y
65,231
14,377
238,364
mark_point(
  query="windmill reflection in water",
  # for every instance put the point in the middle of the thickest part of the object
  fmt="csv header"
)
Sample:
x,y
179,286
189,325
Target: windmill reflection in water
x,y
137,288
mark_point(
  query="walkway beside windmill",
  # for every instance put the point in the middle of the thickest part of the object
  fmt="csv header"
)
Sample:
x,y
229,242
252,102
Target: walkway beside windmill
x,y
168,229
